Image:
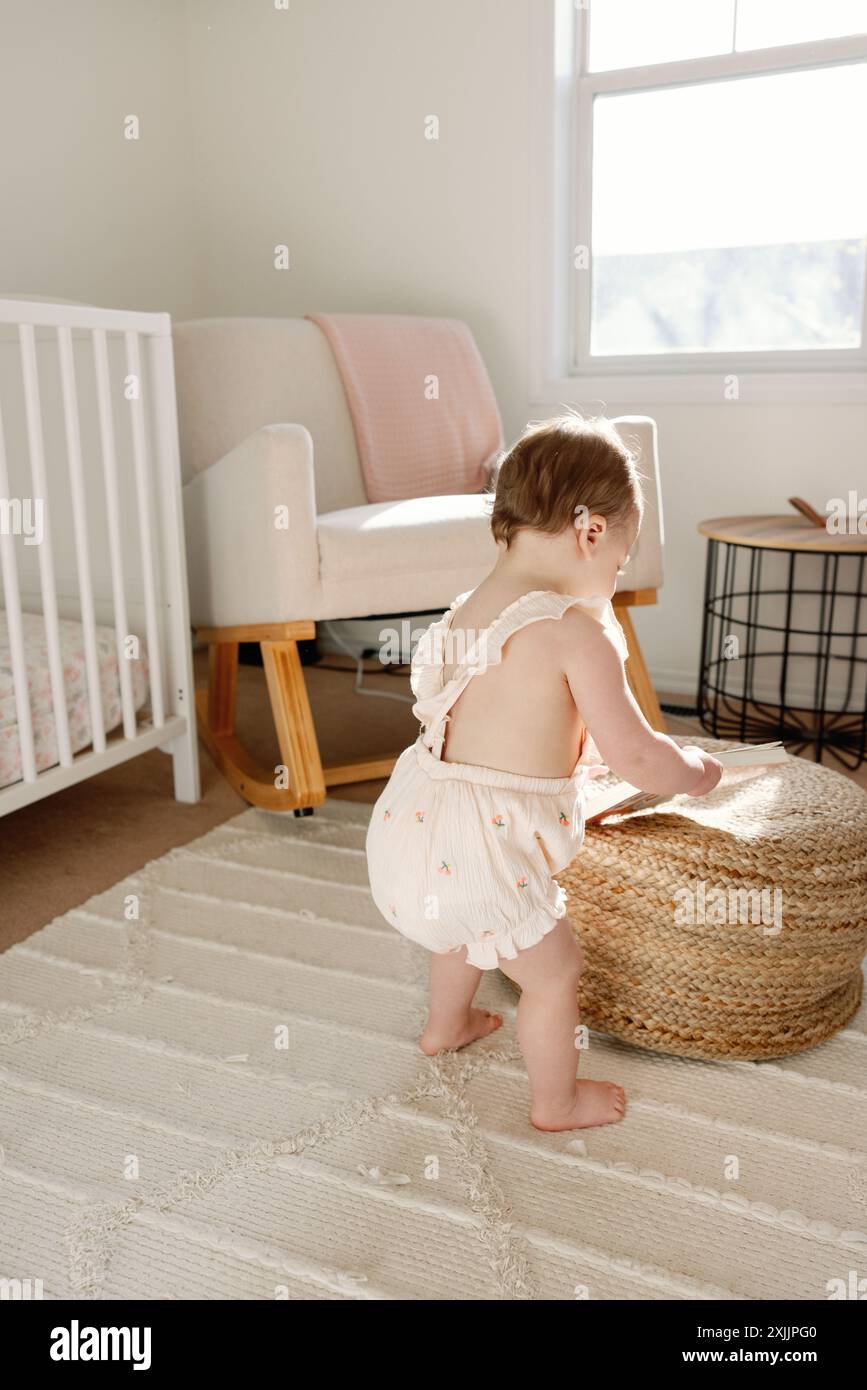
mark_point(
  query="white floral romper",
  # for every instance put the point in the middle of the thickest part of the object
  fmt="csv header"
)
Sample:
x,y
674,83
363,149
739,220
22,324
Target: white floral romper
x,y
460,855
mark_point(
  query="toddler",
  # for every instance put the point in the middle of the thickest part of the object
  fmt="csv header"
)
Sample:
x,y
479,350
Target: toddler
x,y
522,695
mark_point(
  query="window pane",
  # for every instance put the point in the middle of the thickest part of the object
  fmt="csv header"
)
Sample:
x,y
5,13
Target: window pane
x,y
763,23
730,215
627,33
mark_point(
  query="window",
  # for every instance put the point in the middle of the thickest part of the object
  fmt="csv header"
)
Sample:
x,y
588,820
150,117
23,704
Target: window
x,y
718,185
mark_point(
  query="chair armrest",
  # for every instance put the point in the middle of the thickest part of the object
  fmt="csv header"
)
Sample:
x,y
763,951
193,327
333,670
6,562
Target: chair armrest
x,y
250,521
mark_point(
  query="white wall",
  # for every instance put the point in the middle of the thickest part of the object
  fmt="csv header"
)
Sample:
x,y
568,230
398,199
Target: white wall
x,y
87,214
309,129
306,127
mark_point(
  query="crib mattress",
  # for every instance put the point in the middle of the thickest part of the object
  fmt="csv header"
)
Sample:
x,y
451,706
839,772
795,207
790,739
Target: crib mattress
x,y
75,682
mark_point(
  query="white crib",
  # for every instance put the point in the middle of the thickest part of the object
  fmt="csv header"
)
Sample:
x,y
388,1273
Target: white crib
x,y
92,543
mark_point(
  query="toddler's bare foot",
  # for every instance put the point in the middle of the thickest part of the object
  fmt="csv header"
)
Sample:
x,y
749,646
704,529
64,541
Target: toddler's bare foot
x,y
478,1024
595,1103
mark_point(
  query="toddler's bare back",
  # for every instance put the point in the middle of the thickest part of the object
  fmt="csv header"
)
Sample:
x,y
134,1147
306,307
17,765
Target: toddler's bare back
x,y
517,715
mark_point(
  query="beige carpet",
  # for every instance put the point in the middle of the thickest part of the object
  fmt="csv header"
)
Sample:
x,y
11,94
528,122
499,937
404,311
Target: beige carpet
x,y
223,1099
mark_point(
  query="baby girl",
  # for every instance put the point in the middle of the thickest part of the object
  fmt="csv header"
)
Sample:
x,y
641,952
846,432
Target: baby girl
x,y
522,695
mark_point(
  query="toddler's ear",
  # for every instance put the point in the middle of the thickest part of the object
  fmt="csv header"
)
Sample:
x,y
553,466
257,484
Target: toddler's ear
x,y
590,527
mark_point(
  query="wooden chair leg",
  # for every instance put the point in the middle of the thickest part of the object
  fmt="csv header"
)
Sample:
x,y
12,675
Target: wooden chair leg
x,y
299,782
293,720
222,686
639,677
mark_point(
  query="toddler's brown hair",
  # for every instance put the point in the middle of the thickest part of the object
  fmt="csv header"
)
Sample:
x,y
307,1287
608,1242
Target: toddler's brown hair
x,y
556,468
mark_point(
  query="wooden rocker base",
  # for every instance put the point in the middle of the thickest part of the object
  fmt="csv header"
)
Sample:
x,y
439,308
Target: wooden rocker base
x,y
299,783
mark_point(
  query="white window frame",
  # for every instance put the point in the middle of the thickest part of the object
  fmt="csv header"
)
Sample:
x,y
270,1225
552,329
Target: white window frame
x,y
561,155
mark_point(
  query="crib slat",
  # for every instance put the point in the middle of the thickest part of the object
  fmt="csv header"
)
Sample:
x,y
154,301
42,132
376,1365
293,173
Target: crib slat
x,y
178,653
45,556
82,549
145,521
12,601
109,469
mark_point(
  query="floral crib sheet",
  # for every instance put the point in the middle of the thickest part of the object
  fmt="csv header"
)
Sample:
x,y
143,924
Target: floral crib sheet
x,y
75,680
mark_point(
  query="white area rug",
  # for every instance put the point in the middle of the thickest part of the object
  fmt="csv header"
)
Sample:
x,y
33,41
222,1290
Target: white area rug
x,y
156,1143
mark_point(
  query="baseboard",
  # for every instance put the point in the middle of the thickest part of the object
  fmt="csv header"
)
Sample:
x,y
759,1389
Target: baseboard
x,y
671,681
674,681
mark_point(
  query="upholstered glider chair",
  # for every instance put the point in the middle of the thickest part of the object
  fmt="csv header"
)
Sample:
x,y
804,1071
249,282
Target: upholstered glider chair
x,y
280,535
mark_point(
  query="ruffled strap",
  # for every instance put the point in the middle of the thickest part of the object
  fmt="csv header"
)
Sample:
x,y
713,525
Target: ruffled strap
x,y
426,667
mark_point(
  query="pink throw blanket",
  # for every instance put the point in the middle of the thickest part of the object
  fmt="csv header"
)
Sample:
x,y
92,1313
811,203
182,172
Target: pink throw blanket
x,y
424,411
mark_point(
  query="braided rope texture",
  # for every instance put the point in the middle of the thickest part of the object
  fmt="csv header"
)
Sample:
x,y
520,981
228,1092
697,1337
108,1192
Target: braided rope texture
x,y
727,926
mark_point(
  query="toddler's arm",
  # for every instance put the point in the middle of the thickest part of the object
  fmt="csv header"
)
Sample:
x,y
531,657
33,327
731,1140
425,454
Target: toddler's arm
x,y
597,679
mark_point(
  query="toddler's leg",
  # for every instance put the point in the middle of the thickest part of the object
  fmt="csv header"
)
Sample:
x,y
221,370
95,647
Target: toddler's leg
x,y
548,975
452,1022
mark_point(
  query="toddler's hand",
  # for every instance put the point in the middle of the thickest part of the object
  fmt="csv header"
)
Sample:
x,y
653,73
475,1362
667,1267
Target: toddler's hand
x,y
713,771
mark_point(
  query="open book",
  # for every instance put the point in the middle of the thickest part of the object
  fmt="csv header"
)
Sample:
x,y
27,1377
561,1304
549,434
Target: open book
x,y
622,796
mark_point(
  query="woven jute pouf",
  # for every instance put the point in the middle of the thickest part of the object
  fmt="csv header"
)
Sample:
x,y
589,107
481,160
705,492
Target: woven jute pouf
x,y
727,926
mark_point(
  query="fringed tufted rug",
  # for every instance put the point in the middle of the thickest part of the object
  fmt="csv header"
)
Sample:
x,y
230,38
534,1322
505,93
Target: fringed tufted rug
x,y
221,1098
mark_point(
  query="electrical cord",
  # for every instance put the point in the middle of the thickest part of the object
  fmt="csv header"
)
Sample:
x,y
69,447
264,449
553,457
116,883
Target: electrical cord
x,y
360,673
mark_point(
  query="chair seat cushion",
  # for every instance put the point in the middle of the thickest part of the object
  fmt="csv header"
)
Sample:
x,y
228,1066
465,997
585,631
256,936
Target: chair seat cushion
x,y
727,926
436,546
